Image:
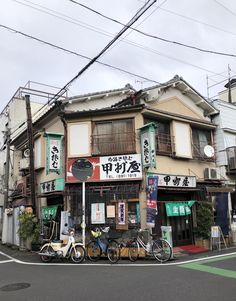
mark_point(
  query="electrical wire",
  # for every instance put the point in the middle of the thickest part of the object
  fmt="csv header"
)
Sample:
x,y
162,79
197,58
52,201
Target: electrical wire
x,y
196,21
225,7
77,54
75,22
154,36
140,12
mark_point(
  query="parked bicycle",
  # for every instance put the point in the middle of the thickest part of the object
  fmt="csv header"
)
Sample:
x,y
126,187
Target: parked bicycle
x,y
106,246
159,248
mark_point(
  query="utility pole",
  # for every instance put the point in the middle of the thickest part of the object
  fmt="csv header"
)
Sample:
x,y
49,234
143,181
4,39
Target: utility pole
x,y
7,166
31,151
229,88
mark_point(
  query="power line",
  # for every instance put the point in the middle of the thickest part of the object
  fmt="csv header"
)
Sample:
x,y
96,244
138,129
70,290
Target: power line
x,y
77,54
123,39
75,22
63,17
108,65
154,36
225,7
196,21
140,12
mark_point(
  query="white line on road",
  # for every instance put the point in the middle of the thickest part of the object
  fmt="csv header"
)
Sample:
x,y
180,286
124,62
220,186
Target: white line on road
x,y
12,259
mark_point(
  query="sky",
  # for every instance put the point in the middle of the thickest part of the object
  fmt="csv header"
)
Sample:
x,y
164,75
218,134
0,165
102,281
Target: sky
x,y
204,24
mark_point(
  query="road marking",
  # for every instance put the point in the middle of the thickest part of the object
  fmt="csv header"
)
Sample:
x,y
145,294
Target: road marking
x,y
6,261
201,266
154,264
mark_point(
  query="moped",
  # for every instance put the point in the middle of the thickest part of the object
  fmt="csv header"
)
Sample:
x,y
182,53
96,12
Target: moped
x,y
71,250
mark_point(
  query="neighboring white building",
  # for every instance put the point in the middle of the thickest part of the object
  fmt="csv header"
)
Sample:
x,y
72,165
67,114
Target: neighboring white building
x,y
225,139
12,117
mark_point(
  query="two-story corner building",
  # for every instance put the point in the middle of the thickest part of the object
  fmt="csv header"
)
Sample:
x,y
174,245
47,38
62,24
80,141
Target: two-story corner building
x,y
49,160
225,139
107,149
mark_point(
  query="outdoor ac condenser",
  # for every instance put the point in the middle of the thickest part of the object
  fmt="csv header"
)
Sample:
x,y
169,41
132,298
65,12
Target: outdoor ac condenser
x,y
210,174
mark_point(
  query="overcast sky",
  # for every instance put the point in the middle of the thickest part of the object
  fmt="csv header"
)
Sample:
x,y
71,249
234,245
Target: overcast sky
x,y
205,24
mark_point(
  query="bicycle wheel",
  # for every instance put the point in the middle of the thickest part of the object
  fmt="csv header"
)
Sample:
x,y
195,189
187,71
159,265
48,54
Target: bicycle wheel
x,y
133,251
113,251
77,254
45,258
161,250
94,251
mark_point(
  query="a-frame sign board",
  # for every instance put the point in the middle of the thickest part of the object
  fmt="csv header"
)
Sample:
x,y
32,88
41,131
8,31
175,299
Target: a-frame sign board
x,y
217,238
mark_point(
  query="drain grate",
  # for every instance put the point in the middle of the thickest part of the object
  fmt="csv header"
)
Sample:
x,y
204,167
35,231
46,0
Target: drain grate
x,y
14,287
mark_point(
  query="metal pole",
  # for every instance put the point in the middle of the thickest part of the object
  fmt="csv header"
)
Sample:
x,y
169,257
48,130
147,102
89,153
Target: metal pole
x,y
31,151
6,182
83,213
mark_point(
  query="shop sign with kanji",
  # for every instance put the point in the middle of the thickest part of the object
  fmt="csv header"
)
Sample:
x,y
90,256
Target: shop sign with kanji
x,y
53,185
176,181
54,152
121,167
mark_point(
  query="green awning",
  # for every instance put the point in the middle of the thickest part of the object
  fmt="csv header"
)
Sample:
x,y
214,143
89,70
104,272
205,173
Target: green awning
x,y
48,213
179,208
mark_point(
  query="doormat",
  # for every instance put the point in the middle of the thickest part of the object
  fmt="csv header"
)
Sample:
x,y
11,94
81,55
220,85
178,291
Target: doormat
x,y
193,249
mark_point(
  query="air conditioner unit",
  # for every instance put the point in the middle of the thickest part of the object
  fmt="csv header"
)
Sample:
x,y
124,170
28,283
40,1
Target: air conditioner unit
x,y
210,174
24,164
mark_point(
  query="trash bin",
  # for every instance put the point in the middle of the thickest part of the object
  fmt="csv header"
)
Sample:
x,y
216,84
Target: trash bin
x,y
166,232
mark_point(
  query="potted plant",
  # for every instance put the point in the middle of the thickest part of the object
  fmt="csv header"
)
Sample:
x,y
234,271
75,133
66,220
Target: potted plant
x,y
204,219
29,229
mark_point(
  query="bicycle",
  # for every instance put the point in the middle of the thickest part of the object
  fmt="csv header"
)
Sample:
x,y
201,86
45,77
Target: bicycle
x,y
107,246
159,248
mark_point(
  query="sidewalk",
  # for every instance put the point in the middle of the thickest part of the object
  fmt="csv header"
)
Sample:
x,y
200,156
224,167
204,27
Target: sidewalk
x,y
179,254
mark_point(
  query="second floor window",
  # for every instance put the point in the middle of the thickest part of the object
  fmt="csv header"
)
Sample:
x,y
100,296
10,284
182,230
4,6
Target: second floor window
x,y
164,140
200,138
113,137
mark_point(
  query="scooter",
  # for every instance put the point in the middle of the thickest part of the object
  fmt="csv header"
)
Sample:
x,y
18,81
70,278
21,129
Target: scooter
x,y
71,250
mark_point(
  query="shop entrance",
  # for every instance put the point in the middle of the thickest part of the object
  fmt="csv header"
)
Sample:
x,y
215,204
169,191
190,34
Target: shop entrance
x,y
181,229
175,210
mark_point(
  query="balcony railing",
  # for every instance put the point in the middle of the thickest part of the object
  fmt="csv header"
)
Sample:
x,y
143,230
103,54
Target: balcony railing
x,y
231,155
165,144
114,144
199,154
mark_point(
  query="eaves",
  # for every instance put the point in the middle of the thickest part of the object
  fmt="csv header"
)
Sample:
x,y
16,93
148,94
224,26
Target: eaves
x,y
101,112
151,112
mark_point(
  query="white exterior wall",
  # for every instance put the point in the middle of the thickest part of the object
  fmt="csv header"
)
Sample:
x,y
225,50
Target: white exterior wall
x,y
225,135
223,95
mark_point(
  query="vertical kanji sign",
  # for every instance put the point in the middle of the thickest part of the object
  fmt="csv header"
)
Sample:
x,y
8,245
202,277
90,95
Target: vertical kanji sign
x,y
148,145
54,152
152,187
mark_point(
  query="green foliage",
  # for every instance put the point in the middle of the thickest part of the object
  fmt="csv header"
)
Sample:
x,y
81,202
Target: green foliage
x,y
204,220
29,227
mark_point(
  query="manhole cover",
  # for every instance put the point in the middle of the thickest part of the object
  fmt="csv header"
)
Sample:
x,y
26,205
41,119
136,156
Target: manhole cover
x,y
14,287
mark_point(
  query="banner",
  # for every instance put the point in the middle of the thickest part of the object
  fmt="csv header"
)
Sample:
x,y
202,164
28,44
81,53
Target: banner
x,y
152,187
148,145
54,152
178,209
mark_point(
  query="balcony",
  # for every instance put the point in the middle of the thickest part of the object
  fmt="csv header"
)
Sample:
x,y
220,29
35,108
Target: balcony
x,y
199,154
231,155
114,144
165,144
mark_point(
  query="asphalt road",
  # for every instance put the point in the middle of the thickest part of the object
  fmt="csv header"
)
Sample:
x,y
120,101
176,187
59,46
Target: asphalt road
x,y
210,279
